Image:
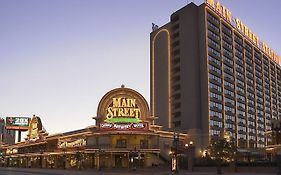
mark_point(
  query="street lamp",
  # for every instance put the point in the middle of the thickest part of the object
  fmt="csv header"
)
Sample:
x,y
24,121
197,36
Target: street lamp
x,y
78,157
189,152
276,128
174,151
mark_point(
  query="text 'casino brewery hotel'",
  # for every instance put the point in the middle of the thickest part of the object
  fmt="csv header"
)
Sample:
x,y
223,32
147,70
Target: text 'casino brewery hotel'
x,y
211,74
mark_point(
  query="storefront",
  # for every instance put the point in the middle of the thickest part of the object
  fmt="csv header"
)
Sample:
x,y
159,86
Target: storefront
x,y
124,137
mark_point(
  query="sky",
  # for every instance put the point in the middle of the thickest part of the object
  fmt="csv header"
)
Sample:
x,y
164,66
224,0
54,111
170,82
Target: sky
x,y
59,57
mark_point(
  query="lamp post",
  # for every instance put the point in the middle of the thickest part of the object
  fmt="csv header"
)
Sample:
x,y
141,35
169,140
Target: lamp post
x,y
174,154
78,157
276,128
278,160
41,159
190,154
97,163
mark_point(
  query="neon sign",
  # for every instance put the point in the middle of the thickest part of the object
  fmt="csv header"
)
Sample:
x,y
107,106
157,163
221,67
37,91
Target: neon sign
x,y
123,110
242,28
124,126
74,143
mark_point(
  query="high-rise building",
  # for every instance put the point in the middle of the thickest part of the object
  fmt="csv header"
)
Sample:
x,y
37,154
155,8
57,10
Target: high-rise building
x,y
6,136
210,74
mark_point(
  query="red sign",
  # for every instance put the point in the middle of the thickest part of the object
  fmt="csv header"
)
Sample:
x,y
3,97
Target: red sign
x,y
124,126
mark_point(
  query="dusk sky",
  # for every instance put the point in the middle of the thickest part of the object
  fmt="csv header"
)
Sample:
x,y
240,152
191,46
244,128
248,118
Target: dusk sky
x,y
59,57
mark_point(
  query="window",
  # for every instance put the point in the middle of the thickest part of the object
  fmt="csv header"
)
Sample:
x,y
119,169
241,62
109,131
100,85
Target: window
x,y
213,86
238,53
212,59
227,100
252,124
215,28
121,143
227,92
226,52
216,96
242,98
143,144
226,36
228,76
241,105
241,136
228,68
215,114
226,29
212,18
214,51
212,42
241,121
214,132
242,113
230,117
213,77
215,123
218,71
215,105
210,33
229,126
226,83
238,88
229,109
227,60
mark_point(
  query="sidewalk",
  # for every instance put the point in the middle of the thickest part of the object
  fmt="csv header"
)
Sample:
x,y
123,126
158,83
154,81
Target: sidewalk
x,y
154,171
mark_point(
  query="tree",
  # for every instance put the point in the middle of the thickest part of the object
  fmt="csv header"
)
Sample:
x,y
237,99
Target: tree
x,y
221,149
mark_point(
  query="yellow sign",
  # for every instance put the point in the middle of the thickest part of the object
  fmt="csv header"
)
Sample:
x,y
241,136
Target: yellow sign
x,y
35,126
123,110
246,31
222,10
238,24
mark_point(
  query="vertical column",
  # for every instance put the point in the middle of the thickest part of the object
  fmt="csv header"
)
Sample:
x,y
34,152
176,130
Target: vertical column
x,y
19,136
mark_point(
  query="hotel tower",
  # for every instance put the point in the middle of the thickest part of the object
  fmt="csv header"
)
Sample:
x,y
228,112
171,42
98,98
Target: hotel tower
x,y
211,74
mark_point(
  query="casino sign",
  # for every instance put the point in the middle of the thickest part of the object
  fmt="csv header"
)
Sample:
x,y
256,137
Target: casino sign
x,y
123,109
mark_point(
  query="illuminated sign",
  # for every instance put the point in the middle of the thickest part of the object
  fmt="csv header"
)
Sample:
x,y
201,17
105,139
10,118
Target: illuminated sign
x,y
124,126
220,9
174,163
11,151
123,110
242,28
73,143
35,127
17,123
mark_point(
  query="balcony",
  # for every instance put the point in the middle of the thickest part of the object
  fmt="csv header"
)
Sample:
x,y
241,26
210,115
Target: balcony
x,y
122,147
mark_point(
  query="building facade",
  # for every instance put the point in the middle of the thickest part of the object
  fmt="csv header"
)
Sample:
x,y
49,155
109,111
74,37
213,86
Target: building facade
x,y
124,136
210,74
6,136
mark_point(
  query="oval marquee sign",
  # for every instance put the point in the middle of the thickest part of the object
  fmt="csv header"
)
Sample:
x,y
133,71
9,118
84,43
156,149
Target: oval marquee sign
x,y
122,109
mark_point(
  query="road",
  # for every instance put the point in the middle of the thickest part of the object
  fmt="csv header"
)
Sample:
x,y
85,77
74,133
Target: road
x,y
30,171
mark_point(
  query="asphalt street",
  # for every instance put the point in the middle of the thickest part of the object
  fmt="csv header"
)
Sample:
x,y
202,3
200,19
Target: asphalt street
x,y
30,171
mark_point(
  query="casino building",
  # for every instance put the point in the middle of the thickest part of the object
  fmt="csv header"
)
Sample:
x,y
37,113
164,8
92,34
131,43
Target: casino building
x,y
210,74
124,136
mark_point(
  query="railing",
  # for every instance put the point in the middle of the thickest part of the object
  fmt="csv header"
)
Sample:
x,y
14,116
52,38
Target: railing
x,y
116,146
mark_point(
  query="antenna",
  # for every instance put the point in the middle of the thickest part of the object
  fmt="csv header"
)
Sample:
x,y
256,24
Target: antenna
x,y
154,27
